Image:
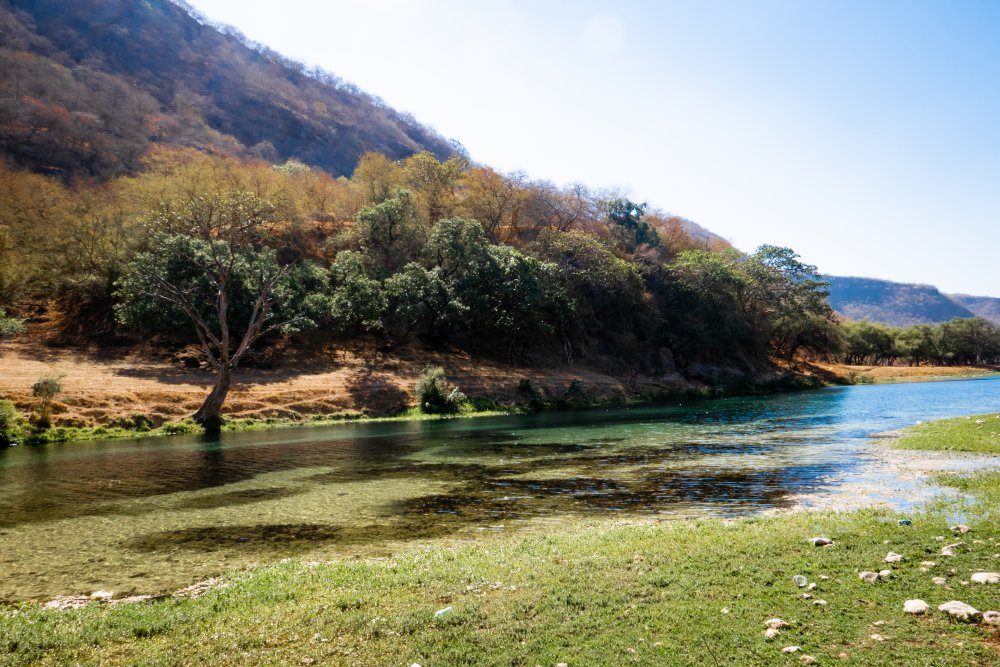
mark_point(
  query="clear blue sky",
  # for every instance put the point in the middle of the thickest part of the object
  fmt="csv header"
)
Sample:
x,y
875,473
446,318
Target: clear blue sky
x,y
865,135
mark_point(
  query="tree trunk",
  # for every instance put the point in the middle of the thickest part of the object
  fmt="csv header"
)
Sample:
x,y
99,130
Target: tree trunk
x,y
209,415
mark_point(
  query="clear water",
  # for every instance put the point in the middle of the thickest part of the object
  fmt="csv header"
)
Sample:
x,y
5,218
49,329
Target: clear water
x,y
157,514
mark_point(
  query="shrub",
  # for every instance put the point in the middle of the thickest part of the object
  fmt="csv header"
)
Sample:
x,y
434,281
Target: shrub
x,y
10,422
433,395
45,390
10,326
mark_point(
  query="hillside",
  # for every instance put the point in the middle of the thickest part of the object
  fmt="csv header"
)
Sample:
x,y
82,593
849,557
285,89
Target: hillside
x,y
983,306
897,304
87,87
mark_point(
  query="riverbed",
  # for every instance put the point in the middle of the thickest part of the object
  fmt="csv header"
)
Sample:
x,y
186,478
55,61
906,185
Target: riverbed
x,y
158,514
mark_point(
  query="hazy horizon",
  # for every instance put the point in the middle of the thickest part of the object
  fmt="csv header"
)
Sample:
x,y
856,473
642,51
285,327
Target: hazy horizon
x,y
863,136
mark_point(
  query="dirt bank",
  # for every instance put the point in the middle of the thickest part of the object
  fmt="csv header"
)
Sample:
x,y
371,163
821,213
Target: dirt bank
x,y
100,388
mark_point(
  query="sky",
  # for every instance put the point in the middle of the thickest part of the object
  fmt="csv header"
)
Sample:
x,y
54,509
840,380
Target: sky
x,y
865,135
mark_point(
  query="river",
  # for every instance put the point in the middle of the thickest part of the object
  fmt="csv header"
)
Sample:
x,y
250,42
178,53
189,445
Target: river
x,y
156,514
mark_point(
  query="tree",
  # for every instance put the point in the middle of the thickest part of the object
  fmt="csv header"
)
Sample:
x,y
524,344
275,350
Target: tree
x,y
389,232
208,263
496,201
627,226
45,390
433,183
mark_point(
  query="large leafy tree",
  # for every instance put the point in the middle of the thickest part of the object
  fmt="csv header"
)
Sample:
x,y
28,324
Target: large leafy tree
x,y
208,263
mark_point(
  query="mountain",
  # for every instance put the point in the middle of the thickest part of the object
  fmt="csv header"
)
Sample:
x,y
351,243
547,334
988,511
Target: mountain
x,y
86,87
983,306
897,304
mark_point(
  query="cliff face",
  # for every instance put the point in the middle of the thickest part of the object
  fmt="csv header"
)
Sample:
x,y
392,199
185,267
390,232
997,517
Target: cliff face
x,y
89,85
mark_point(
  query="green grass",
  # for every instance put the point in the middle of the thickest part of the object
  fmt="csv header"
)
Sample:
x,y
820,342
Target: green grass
x,y
588,594
978,433
650,594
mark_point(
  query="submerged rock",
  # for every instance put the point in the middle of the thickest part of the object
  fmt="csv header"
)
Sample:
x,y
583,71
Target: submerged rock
x,y
915,607
959,610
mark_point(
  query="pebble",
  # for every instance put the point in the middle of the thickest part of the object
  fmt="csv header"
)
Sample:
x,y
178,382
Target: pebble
x,y
939,581
960,528
950,549
799,580
821,541
791,649
980,578
915,607
959,610
775,624
991,617
893,557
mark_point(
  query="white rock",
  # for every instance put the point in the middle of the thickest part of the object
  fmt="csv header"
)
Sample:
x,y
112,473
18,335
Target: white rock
x,y
893,557
807,660
884,574
791,649
915,607
812,587
444,612
991,617
878,638
928,563
799,580
775,624
561,664
820,603
821,541
806,596
725,610
823,577
986,578
868,577
950,549
959,610
771,633
939,581
961,528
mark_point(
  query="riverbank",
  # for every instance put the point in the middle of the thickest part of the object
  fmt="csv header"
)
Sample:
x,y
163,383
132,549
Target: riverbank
x,y
642,592
894,374
131,395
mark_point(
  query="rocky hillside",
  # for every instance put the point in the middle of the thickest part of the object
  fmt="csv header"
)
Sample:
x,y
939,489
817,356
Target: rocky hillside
x,y
86,87
904,304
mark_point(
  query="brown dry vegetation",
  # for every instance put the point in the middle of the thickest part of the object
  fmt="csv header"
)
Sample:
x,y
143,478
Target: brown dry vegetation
x,y
884,374
99,388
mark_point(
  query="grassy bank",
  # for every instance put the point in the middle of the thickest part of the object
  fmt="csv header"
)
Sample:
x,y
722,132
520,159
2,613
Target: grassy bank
x,y
978,433
681,593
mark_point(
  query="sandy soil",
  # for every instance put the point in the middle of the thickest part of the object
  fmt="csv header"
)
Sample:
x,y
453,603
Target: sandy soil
x,y
908,373
99,388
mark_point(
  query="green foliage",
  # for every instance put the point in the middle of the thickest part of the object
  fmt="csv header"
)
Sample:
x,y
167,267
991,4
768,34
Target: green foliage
x,y
10,326
356,302
971,341
45,390
389,233
433,394
627,226
10,423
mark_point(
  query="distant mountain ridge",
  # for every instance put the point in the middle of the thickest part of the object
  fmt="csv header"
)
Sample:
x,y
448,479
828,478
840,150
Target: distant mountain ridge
x,y
904,304
86,87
